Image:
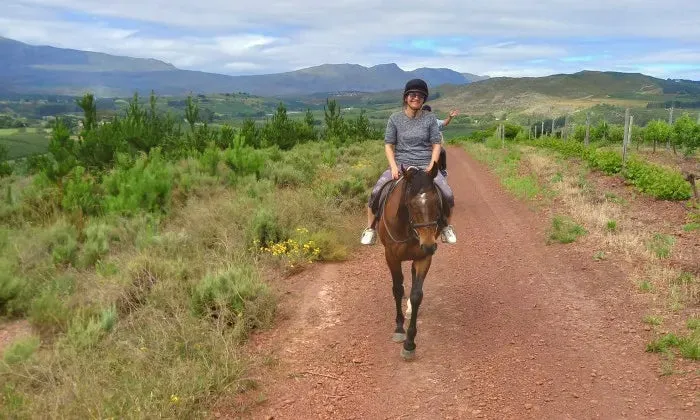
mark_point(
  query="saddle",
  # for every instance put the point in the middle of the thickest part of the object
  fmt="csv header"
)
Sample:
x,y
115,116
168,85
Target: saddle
x,y
379,201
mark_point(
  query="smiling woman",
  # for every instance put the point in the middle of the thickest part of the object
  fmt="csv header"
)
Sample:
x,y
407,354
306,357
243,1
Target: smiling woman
x,y
412,139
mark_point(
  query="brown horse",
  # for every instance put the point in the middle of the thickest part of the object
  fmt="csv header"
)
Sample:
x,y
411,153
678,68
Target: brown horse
x,y
411,220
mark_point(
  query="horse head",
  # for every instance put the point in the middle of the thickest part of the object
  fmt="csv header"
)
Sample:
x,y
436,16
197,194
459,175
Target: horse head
x,y
423,206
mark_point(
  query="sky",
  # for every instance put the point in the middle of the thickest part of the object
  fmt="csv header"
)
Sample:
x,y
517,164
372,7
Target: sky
x,y
485,37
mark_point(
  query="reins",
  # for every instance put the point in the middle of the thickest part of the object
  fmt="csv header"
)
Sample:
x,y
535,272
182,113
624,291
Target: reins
x,y
413,234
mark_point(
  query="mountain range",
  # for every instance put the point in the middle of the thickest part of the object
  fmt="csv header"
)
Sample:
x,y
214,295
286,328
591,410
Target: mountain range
x,y
32,69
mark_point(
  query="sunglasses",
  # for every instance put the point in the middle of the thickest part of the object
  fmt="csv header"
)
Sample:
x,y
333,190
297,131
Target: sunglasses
x,y
418,95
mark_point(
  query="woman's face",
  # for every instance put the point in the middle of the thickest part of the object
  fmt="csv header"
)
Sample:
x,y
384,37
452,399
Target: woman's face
x,y
415,100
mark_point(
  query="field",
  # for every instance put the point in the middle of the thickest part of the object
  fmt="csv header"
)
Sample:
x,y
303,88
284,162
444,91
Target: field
x,y
23,142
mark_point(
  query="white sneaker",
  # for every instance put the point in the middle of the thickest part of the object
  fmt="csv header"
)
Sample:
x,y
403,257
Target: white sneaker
x,y
369,237
448,235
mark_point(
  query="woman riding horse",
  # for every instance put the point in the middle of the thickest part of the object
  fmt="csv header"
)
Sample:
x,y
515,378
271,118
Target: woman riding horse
x,y
412,138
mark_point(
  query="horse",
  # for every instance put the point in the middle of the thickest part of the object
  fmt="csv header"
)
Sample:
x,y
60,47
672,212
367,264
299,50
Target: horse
x,y
412,216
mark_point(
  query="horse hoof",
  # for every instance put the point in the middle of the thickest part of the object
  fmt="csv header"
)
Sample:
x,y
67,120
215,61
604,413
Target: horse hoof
x,y
398,337
408,354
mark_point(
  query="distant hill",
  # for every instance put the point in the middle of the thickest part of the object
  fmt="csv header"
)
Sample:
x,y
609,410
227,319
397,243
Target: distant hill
x,y
48,70
474,78
16,54
567,92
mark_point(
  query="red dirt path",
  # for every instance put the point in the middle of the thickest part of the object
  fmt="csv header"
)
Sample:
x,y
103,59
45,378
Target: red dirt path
x,y
509,328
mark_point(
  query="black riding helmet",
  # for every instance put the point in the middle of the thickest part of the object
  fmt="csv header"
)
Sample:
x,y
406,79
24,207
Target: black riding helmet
x,y
416,85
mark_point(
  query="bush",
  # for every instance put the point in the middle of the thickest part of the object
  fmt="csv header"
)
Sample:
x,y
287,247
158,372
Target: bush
x,y
244,160
607,161
81,193
50,310
63,243
285,175
209,160
147,185
21,350
97,237
657,181
10,287
86,333
565,230
236,297
265,228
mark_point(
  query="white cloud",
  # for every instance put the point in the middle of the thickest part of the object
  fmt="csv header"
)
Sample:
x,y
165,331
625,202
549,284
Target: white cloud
x,y
498,37
243,44
682,55
512,51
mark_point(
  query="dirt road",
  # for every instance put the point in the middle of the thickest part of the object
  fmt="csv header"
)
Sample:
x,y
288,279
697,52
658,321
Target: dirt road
x,y
509,328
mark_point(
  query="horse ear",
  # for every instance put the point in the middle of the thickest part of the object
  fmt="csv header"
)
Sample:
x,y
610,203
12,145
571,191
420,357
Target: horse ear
x,y
434,170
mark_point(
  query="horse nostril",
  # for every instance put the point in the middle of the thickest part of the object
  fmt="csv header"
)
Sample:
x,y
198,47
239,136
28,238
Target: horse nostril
x,y
429,249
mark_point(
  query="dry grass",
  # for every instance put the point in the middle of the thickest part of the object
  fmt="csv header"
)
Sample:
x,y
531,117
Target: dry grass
x,y
674,295
583,205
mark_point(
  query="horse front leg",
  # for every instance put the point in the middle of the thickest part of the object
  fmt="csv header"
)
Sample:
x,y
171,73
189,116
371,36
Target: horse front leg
x,y
397,288
419,269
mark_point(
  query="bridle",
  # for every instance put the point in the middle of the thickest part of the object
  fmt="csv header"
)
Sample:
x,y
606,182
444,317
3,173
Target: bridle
x,y
413,233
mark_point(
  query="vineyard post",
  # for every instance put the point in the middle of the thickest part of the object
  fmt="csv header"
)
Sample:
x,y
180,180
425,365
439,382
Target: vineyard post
x,y
624,136
670,122
552,126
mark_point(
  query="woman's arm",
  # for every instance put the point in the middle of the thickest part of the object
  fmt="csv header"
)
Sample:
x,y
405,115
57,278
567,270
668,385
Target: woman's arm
x,y
435,157
436,141
390,139
390,157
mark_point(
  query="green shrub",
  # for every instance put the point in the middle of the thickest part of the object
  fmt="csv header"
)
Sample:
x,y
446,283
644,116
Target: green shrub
x,y
147,185
265,228
209,160
235,296
565,230
81,192
50,309
97,238
85,333
37,203
10,287
285,175
243,160
607,161
63,243
21,350
657,181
